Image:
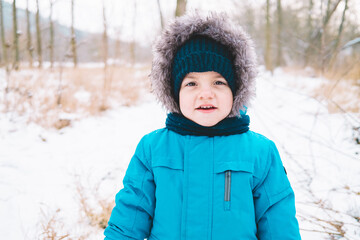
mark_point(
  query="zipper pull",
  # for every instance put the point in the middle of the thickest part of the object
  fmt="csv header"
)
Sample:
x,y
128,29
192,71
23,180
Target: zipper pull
x,y
227,190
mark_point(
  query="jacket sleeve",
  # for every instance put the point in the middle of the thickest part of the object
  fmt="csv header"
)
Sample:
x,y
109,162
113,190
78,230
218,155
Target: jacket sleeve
x,y
132,215
275,202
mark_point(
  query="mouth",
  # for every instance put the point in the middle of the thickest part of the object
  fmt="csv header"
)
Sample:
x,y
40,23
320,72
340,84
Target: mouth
x,y
206,108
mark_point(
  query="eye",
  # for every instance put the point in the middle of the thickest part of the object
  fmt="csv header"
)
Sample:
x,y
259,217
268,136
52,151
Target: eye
x,y
220,82
190,84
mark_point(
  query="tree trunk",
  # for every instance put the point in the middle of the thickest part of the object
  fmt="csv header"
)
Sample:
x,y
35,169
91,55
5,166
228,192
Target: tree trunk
x,y
30,48
16,38
73,37
180,8
117,48
105,58
268,64
329,12
310,30
309,23
279,60
341,27
338,38
38,34
105,37
51,44
3,40
161,15
132,44
316,46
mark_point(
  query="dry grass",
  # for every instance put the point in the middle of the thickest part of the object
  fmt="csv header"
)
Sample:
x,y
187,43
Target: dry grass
x,y
94,213
330,221
95,208
300,71
347,68
342,90
53,98
340,96
52,226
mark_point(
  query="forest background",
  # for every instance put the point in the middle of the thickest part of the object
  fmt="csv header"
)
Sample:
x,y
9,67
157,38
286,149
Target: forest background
x,y
319,36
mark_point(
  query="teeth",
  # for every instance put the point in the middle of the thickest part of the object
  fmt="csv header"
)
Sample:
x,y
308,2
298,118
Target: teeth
x,y
206,107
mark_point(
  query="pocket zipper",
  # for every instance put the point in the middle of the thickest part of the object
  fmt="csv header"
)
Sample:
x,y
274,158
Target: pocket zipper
x,y
227,190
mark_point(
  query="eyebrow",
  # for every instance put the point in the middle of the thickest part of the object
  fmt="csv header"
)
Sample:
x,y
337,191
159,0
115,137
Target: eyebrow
x,y
189,76
216,75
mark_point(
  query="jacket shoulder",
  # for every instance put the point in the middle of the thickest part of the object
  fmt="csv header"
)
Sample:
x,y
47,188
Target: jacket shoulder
x,y
261,151
153,137
256,142
160,142
260,138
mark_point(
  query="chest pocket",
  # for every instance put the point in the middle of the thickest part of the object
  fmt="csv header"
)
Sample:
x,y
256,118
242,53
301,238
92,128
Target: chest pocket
x,y
167,170
168,162
233,178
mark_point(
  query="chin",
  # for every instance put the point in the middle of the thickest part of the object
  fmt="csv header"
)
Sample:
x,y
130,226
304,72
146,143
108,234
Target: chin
x,y
207,123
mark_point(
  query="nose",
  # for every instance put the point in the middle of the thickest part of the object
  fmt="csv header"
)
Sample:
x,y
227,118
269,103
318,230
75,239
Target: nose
x,y
206,93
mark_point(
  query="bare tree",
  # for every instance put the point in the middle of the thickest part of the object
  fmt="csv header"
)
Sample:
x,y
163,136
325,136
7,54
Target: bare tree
x,y
309,27
132,44
51,44
30,48
267,56
279,54
117,48
105,56
38,34
309,23
180,7
338,37
341,27
105,36
3,40
330,9
73,37
161,15
16,38
317,43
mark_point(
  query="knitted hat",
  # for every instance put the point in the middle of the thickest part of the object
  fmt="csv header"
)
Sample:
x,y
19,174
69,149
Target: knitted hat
x,y
201,54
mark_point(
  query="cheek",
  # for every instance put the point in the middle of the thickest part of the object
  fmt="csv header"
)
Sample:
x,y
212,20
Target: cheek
x,y
184,102
228,100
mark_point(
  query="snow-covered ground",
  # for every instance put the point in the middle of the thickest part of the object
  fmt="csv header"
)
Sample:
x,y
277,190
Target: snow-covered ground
x,y
318,150
41,170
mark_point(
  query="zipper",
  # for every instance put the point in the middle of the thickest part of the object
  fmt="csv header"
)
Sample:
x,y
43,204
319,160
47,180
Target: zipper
x,y
227,190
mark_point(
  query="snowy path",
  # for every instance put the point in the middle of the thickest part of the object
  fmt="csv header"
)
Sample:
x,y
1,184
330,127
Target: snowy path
x,y
317,149
39,169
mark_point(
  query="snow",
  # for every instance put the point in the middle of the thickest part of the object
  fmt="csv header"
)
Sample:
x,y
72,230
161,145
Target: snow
x,y
317,149
40,168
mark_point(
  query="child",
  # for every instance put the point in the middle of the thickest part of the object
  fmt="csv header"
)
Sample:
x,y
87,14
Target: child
x,y
205,175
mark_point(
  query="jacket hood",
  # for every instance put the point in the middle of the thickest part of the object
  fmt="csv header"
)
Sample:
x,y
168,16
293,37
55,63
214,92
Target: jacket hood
x,y
218,27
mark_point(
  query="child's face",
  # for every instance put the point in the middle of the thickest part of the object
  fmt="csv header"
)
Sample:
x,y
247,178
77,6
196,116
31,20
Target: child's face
x,y
205,98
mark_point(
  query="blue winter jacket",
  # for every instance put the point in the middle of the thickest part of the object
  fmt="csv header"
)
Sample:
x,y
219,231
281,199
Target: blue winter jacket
x,y
204,188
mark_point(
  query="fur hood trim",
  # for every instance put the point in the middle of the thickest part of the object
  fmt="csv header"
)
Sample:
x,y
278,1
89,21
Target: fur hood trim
x,y
218,27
